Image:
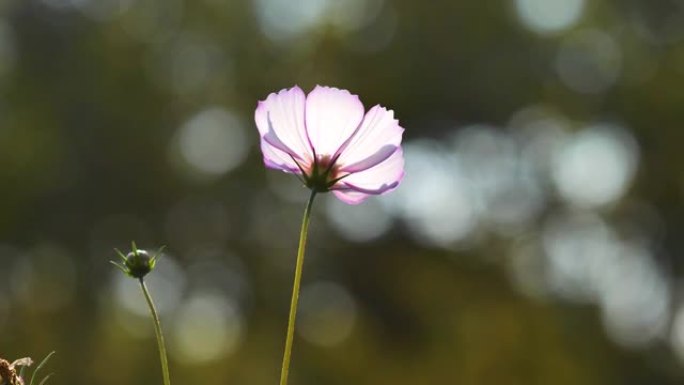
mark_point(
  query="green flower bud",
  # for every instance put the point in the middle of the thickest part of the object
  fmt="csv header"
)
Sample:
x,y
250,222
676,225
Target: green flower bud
x,y
137,263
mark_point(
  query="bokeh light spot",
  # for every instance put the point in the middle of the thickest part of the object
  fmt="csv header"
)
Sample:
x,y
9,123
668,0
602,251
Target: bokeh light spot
x,y
634,297
435,199
588,262
360,223
280,20
578,246
45,278
596,166
212,142
208,326
191,63
589,61
327,313
549,16
505,183
677,333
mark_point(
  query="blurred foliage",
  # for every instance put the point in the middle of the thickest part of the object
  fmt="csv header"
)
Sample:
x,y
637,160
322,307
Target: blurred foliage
x,y
94,98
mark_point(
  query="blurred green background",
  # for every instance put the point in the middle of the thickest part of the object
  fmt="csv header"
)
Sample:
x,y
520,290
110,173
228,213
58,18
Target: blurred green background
x,y
536,239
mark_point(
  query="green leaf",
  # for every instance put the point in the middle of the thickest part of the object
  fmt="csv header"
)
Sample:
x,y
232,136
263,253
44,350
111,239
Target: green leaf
x,y
40,366
120,266
158,254
45,379
121,255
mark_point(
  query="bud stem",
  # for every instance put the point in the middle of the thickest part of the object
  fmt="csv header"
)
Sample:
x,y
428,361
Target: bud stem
x,y
158,333
295,290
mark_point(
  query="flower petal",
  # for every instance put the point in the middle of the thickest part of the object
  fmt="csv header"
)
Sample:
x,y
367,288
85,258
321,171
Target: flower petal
x,y
332,116
377,139
376,180
350,196
277,159
280,120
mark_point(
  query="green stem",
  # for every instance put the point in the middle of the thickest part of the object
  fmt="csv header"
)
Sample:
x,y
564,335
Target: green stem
x,y
295,290
158,332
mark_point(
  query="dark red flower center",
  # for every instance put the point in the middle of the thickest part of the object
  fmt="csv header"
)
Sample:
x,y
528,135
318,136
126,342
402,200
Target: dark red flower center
x,y
323,174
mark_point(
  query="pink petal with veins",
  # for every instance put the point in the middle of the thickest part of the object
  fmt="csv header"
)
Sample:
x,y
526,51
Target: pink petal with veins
x,y
332,116
376,180
378,137
277,159
280,120
350,196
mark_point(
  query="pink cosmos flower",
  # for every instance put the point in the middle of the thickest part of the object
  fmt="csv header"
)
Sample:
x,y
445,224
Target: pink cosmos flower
x,y
328,139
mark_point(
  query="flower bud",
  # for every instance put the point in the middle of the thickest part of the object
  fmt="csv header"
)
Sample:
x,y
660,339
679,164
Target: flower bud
x,y
137,263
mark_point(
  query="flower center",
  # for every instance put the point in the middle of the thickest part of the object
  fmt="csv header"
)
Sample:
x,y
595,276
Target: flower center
x,y
323,174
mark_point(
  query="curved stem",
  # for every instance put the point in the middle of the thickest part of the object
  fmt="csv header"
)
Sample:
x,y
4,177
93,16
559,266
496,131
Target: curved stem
x,y
158,333
295,290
